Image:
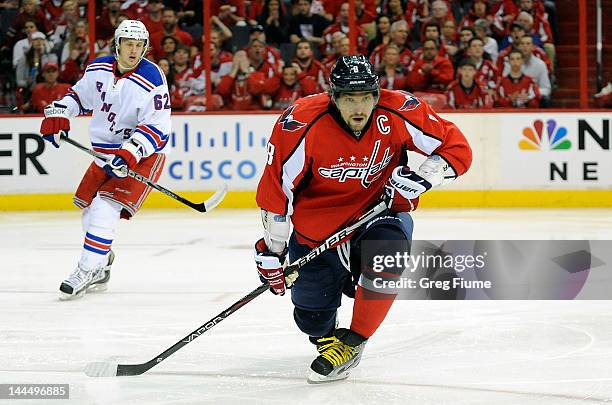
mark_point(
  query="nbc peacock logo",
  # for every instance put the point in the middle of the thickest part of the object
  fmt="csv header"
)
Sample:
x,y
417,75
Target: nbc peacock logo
x,y
554,139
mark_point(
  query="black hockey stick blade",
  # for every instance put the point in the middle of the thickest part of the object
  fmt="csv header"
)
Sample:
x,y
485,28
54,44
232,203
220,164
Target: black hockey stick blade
x,y
111,369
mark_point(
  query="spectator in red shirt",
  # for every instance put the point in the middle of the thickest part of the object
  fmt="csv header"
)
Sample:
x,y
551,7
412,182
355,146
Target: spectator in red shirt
x,y
176,93
480,10
465,34
482,30
342,25
287,88
169,46
341,48
487,75
399,37
29,10
50,90
392,73
73,67
229,11
107,21
182,67
431,31
194,90
134,9
53,9
465,93
536,24
431,72
517,89
364,10
243,87
152,18
307,65
170,21
273,55
449,38
396,11
440,12
516,33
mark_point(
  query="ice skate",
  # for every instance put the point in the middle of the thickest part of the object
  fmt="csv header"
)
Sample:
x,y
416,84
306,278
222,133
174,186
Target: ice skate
x,y
338,355
82,280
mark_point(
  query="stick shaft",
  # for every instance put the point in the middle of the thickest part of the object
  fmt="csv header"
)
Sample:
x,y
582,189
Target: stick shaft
x,y
137,369
139,177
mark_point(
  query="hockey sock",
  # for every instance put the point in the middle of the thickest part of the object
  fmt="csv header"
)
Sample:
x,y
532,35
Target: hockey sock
x,y
369,310
99,222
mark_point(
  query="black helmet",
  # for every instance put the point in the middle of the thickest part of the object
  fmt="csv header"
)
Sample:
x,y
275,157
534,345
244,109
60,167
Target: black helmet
x,y
353,73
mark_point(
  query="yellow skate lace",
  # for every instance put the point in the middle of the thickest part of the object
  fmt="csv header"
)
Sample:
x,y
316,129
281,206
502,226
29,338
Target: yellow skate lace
x,y
323,343
338,352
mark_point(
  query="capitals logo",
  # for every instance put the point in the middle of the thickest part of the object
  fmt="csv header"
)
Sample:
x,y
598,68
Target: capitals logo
x,y
411,102
535,138
367,171
287,121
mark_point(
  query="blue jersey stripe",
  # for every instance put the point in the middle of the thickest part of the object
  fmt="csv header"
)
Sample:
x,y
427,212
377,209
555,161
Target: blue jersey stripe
x,y
141,85
106,145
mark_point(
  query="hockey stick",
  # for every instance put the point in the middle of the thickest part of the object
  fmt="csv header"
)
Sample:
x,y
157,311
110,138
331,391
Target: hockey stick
x,y
205,206
107,369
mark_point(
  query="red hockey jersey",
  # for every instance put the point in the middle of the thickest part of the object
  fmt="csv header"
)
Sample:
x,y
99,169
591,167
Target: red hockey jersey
x,y
324,177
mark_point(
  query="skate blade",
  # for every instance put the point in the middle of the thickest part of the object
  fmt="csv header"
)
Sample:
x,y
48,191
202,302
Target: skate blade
x,y
97,288
69,297
316,378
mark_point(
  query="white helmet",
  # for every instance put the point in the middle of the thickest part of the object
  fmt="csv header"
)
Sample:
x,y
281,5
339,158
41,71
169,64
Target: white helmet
x,y
132,29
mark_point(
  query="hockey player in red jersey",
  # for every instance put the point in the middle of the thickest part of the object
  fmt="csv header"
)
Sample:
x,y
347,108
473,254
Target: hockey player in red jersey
x,y
331,156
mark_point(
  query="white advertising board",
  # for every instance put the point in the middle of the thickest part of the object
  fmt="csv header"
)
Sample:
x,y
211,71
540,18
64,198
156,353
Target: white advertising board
x,y
512,151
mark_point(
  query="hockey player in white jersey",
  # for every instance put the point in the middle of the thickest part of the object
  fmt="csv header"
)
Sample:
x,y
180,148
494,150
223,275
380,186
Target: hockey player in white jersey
x,y
130,102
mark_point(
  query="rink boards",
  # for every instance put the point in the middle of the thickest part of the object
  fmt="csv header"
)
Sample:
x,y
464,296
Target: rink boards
x,y
531,159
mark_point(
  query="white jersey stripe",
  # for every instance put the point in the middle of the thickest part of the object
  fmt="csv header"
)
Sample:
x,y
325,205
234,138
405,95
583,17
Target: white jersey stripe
x,y
425,143
291,169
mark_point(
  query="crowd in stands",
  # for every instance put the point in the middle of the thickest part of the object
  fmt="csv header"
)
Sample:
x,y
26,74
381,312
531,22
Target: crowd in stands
x,y
267,53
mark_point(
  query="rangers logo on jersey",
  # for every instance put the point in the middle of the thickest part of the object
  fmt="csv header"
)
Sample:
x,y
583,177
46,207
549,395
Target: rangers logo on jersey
x,y
288,123
411,102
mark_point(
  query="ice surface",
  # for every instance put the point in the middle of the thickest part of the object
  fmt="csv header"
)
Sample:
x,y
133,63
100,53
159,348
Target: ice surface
x,y
177,269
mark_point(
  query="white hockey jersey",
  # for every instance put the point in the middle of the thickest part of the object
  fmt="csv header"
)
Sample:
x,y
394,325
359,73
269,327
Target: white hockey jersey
x,y
135,105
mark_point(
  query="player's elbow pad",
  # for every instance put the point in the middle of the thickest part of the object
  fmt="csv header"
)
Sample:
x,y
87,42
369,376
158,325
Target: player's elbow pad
x,y
276,230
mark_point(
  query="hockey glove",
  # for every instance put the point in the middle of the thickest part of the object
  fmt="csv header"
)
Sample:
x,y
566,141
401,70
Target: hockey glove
x,y
403,189
270,267
124,159
55,123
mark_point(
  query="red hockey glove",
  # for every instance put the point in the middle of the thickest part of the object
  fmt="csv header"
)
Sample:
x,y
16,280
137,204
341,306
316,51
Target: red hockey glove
x,y
124,159
55,123
270,267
